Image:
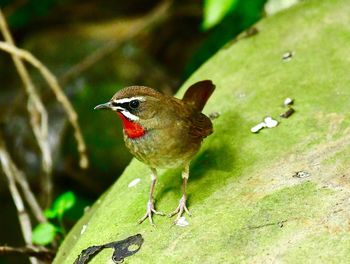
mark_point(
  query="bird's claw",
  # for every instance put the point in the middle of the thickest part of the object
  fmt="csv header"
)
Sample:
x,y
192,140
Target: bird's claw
x,y
180,209
150,211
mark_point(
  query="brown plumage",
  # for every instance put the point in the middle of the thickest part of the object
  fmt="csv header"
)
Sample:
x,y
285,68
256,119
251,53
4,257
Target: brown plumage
x,y
163,131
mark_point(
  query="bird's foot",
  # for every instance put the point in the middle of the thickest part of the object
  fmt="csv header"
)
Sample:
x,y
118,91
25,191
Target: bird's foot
x,y
180,209
150,211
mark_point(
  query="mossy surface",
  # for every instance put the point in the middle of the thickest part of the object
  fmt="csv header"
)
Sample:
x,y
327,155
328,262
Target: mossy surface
x,y
247,206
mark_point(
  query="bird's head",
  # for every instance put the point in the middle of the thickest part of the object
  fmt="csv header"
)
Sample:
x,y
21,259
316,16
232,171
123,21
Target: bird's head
x,y
136,106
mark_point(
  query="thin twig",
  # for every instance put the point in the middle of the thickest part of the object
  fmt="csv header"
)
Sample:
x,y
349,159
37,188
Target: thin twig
x,y
38,252
89,60
61,97
156,16
28,194
37,112
23,216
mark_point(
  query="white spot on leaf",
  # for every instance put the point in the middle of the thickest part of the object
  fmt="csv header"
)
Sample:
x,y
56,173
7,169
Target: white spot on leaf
x,y
182,222
258,127
270,122
288,101
134,182
83,229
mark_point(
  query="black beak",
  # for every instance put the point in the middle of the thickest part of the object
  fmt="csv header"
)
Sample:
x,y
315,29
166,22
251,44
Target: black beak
x,y
103,106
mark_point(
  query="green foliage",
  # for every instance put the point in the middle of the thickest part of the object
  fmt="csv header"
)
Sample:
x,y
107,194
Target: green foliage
x,y
44,234
215,11
62,204
241,16
28,12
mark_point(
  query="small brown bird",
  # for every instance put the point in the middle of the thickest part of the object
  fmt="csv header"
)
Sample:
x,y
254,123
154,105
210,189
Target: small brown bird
x,y
163,131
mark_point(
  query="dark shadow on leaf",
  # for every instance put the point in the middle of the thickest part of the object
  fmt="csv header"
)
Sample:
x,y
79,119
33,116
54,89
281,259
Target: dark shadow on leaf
x,y
218,154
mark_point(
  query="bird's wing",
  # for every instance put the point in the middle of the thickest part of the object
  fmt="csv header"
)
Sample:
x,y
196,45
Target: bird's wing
x,y
200,126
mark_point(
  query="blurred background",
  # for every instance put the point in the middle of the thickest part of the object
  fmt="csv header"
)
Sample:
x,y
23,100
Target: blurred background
x,y
95,48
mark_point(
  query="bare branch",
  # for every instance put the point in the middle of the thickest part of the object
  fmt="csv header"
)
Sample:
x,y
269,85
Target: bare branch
x,y
140,25
23,216
38,252
61,97
28,194
36,109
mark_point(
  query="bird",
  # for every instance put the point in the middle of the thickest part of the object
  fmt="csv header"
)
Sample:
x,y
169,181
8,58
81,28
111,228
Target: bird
x,y
163,131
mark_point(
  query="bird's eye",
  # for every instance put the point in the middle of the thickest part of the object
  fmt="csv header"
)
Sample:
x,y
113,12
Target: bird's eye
x,y
134,104
114,103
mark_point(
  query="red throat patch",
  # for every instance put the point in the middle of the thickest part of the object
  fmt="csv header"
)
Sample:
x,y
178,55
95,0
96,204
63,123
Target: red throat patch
x,y
132,129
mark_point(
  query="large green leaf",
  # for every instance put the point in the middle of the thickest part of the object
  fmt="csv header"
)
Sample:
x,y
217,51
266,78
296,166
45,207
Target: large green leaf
x,y
215,11
247,207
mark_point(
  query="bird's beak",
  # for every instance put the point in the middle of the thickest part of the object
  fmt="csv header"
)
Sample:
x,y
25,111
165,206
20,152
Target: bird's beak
x,y
103,106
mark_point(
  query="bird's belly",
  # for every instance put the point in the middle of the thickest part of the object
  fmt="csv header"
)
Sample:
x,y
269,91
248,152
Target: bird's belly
x,y
161,153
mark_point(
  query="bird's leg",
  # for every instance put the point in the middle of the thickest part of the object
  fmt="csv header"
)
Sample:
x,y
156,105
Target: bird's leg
x,y
150,203
182,204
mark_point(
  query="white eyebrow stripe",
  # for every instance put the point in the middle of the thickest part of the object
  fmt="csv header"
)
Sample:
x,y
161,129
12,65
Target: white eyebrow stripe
x,y
127,100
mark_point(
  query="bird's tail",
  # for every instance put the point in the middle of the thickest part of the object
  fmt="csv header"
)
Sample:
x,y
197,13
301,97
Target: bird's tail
x,y
198,94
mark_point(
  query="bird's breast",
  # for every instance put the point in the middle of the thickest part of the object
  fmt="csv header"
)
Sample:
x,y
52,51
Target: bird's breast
x,y
161,148
131,129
